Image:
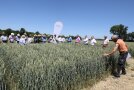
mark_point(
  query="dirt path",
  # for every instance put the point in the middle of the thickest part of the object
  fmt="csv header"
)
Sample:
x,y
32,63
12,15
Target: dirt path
x,y
125,82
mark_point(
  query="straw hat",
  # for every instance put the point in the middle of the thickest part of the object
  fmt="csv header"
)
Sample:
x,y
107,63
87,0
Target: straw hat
x,y
39,35
12,33
35,35
23,36
18,34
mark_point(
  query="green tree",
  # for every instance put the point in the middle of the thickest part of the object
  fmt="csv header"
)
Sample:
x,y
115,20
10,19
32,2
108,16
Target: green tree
x,y
8,31
63,36
22,31
37,32
16,32
73,37
130,36
30,33
119,30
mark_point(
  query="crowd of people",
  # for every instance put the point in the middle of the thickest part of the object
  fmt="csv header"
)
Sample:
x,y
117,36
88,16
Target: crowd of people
x,y
24,39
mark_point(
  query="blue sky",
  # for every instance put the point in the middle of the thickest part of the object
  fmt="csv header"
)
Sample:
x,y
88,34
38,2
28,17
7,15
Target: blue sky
x,y
83,17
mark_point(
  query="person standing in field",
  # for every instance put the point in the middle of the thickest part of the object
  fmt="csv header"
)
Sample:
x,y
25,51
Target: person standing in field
x,y
69,40
123,50
105,42
30,40
78,39
55,39
4,38
93,41
12,38
86,40
63,39
44,38
50,39
22,40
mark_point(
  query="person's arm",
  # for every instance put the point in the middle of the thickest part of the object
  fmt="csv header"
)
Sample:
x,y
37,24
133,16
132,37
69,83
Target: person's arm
x,y
113,51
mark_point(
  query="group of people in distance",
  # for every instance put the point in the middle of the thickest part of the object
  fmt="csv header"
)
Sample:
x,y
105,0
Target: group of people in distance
x,y
92,41
86,40
24,39
20,39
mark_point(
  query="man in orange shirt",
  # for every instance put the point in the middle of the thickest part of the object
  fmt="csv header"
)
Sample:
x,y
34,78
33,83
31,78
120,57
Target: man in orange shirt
x,y
123,50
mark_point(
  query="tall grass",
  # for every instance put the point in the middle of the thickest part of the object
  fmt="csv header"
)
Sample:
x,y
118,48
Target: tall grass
x,y
52,67
131,48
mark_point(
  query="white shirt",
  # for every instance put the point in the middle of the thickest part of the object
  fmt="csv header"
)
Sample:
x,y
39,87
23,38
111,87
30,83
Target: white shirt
x,y
22,41
93,41
63,40
106,41
3,38
17,38
85,40
60,39
29,40
78,39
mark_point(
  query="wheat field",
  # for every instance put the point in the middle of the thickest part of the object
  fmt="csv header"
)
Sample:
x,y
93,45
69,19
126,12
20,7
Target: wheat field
x,y
54,67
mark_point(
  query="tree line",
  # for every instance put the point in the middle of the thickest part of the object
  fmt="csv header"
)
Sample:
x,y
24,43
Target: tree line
x,y
120,30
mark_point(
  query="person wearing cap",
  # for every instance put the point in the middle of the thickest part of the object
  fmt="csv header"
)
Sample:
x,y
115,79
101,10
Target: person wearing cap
x,y
123,50
11,38
22,40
